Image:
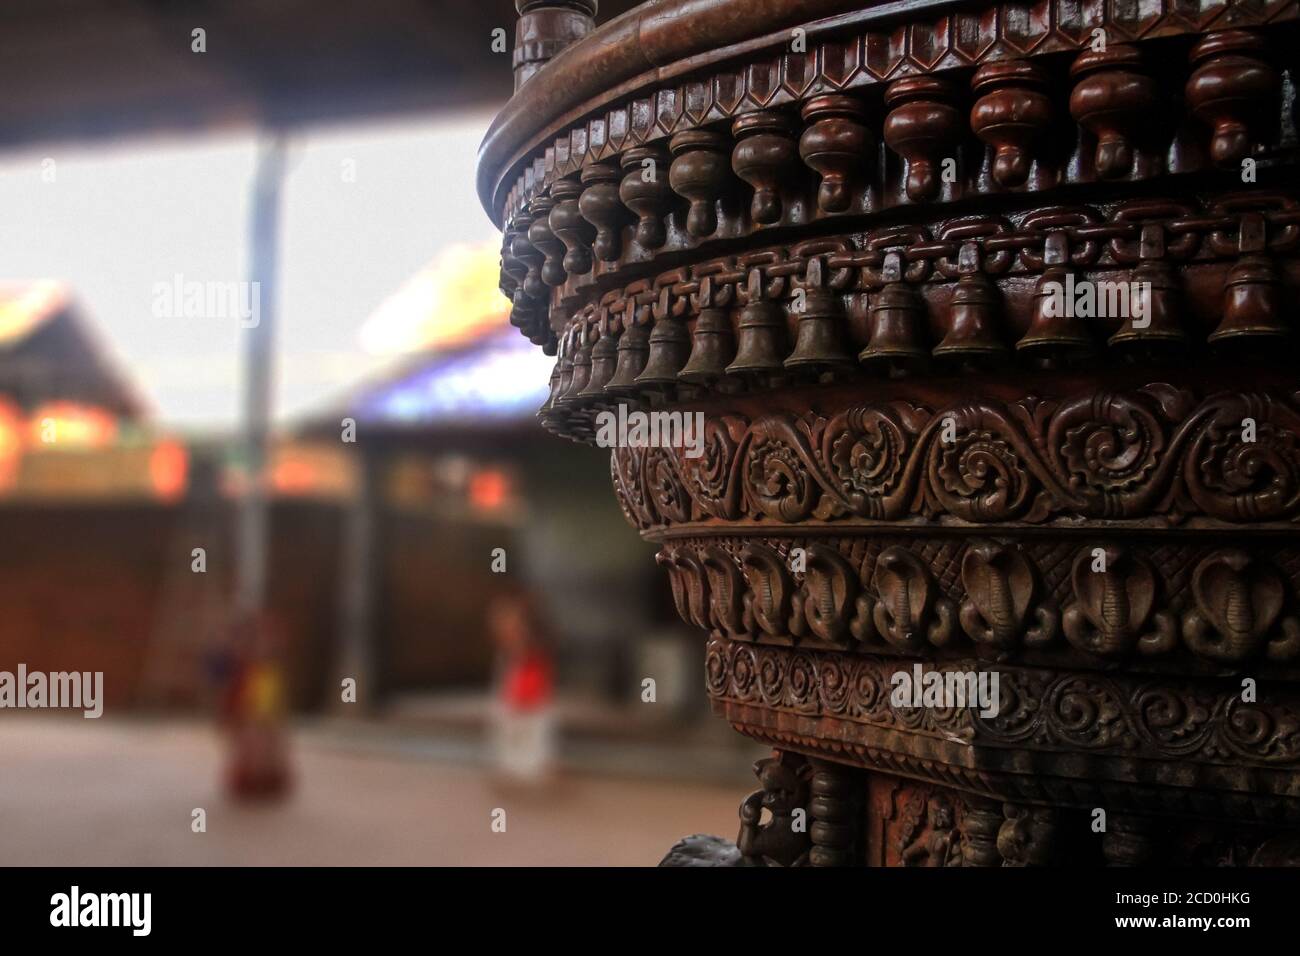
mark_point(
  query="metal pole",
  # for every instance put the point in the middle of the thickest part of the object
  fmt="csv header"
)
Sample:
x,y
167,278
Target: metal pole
x,y
259,346
357,588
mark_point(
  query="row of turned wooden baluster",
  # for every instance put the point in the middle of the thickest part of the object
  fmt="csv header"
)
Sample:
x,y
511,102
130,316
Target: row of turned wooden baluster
x,y
562,233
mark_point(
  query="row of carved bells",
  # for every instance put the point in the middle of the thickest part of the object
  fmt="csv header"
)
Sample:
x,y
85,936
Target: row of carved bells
x,y
665,355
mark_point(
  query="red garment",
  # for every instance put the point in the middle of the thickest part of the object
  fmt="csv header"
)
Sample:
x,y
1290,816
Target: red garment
x,y
527,684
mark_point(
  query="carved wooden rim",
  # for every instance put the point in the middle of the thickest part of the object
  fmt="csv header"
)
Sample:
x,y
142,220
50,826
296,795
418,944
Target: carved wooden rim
x,y
640,54
1062,736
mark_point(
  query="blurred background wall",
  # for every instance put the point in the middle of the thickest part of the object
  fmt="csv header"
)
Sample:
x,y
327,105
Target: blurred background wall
x,y
403,446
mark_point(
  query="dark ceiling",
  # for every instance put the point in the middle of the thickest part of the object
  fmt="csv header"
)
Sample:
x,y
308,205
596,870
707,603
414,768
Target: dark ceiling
x,y
78,69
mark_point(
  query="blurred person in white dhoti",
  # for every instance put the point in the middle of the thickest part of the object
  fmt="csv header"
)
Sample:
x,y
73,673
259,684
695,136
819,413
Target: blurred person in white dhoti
x,y
523,706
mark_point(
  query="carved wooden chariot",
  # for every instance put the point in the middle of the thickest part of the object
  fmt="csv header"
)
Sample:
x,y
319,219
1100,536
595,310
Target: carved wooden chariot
x,y
834,227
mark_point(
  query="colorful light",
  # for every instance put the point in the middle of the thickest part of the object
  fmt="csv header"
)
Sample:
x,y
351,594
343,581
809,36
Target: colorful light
x,y
168,469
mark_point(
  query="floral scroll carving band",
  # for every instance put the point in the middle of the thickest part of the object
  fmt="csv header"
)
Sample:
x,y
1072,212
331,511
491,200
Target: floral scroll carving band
x,y
1152,453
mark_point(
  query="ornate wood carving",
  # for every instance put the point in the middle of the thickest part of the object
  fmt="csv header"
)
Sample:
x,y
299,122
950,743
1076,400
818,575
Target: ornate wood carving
x,y
779,841
1156,452
966,277
926,450
853,60
1237,757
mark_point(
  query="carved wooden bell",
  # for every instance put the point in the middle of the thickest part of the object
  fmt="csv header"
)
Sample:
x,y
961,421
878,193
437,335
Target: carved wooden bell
x,y
633,349
669,347
1160,326
819,336
547,412
1251,302
604,357
572,396
897,318
1055,334
713,345
972,312
565,366
762,332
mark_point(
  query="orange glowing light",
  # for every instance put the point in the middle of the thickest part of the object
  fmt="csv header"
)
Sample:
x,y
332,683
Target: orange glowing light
x,y
293,476
70,425
11,444
488,489
168,469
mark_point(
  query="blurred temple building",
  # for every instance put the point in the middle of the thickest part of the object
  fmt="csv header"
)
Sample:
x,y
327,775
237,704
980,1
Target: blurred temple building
x,y
117,541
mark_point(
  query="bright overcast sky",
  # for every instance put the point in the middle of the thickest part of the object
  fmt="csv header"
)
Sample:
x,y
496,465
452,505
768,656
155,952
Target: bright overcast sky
x,y
118,219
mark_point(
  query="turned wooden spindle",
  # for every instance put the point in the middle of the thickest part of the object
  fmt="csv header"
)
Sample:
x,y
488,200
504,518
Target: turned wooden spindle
x,y
979,833
544,28
570,228
921,126
765,148
600,206
523,250
545,242
835,809
512,270
1011,113
1232,86
837,144
645,191
1113,98
699,174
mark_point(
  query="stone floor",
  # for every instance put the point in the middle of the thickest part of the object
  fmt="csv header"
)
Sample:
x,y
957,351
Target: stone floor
x,y
88,793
